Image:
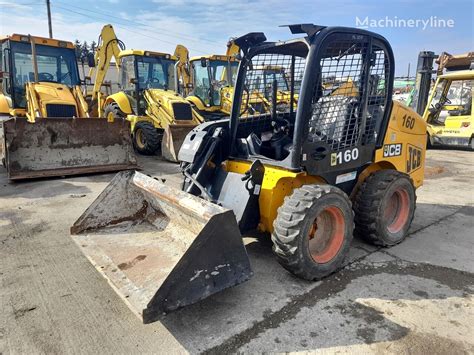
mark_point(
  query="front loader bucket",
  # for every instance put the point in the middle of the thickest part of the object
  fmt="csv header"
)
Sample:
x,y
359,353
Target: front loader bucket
x,y
173,139
160,248
66,146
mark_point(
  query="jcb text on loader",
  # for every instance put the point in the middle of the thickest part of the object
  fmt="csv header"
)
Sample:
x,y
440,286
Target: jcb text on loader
x,y
342,162
47,129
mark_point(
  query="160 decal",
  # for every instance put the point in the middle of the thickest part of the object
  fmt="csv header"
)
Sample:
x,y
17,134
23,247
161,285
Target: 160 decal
x,y
344,156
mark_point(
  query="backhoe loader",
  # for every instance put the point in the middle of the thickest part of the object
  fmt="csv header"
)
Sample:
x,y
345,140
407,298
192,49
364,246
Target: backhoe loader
x,y
341,163
208,84
46,126
448,110
159,116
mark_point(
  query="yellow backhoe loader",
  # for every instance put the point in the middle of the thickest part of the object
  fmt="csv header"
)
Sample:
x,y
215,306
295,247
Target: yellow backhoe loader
x,y
159,116
208,84
46,127
339,163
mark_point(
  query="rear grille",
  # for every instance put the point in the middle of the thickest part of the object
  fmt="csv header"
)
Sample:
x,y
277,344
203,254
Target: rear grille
x,y
182,111
55,110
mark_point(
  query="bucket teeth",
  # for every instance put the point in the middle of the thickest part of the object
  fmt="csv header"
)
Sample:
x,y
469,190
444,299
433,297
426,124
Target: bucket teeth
x,y
160,248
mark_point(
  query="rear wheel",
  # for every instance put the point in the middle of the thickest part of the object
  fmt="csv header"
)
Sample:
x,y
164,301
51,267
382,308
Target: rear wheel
x,y
112,111
384,207
313,231
146,138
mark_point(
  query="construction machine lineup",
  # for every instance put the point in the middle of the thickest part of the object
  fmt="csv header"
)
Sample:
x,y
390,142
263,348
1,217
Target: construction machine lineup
x,y
299,140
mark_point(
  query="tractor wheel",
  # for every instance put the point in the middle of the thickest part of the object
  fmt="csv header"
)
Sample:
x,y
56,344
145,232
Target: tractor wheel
x,y
112,111
146,139
313,231
384,207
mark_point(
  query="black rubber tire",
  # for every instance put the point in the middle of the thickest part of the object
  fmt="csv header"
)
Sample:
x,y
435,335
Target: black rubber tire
x,y
428,141
151,136
293,225
370,203
114,109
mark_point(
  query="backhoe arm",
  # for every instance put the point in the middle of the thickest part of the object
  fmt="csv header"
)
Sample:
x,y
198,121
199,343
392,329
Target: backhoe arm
x,y
184,74
109,47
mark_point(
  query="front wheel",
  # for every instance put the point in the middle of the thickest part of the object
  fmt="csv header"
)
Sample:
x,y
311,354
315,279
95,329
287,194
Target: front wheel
x,y
146,138
112,112
313,231
384,207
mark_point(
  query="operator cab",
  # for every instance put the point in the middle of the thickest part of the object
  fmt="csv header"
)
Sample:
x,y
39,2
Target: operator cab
x,y
348,75
144,70
56,61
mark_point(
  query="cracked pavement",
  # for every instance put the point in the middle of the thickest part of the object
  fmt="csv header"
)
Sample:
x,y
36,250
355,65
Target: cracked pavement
x,y
416,297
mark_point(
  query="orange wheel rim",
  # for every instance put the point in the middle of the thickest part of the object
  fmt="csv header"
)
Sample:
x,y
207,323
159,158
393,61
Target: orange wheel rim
x,y
326,235
396,211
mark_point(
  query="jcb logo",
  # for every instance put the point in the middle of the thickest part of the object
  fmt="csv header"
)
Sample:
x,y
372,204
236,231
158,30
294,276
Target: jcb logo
x,y
392,150
413,158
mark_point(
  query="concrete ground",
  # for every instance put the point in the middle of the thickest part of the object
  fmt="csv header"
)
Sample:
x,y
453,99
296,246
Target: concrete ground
x,y
416,297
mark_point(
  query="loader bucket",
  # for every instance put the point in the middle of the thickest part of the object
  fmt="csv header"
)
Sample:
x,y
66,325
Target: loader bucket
x,y
173,139
160,248
66,146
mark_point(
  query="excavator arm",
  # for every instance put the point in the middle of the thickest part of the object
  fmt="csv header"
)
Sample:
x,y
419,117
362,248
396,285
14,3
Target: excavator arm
x,y
184,74
109,47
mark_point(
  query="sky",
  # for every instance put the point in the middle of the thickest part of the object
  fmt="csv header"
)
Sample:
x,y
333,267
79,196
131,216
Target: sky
x,y
205,26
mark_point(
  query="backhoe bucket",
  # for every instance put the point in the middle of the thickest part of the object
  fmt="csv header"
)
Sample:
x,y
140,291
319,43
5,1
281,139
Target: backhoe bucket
x,y
66,146
160,248
173,139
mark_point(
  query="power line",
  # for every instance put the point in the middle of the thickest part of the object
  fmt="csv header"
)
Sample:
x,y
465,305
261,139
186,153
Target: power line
x,y
176,34
126,29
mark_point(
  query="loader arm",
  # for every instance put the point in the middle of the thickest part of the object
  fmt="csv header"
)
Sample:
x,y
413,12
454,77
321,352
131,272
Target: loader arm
x,y
184,74
109,47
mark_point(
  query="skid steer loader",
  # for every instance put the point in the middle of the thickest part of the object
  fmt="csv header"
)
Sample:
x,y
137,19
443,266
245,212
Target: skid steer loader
x,y
343,162
46,127
159,116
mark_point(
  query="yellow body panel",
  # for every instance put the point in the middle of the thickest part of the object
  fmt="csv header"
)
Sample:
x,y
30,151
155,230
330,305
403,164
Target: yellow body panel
x,y
141,52
122,100
5,104
279,182
411,159
38,40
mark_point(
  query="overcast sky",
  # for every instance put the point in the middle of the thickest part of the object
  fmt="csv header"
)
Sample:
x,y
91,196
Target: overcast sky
x,y
204,26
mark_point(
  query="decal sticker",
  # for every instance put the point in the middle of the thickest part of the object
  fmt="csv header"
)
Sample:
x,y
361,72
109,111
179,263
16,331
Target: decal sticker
x,y
344,157
413,158
392,150
408,121
346,177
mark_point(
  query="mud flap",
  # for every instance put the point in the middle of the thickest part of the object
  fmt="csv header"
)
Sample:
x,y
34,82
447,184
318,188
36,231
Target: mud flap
x,y
160,248
66,146
173,139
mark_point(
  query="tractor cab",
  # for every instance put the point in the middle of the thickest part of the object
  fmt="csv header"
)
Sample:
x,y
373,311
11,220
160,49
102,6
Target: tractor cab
x,y
48,63
145,70
212,75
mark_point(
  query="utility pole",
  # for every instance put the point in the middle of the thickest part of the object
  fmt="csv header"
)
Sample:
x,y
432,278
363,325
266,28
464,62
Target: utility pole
x,y
48,6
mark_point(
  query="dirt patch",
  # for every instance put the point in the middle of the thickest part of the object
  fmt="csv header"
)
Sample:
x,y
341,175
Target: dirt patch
x,y
130,264
433,170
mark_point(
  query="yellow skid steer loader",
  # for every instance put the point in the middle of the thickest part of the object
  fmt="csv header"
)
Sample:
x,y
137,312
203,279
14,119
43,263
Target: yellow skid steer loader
x,y
46,126
345,161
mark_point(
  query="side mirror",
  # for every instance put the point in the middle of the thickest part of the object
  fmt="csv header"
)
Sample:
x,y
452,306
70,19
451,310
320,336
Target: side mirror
x,y
90,60
203,62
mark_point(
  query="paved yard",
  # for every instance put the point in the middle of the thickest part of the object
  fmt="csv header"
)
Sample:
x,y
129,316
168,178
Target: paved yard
x,y
416,297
